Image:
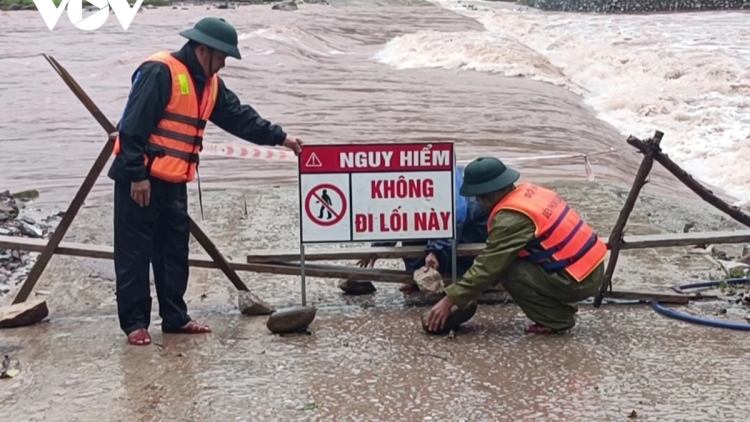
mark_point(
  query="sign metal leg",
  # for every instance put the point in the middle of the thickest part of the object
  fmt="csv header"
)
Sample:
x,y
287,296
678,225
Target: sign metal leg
x,y
453,260
302,273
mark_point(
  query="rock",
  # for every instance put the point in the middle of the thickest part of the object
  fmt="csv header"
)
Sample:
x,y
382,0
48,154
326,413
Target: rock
x,y
456,318
252,305
8,210
291,320
285,5
429,281
26,194
24,313
29,229
353,287
3,230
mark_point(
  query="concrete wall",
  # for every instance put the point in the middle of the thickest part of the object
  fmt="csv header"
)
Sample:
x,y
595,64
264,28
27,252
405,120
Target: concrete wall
x,y
636,6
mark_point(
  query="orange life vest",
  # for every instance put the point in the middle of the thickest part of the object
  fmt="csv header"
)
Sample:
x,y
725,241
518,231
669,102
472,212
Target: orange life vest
x,y
562,240
177,141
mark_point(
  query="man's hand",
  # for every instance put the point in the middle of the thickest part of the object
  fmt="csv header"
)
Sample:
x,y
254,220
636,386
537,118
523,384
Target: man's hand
x,y
439,314
295,144
141,192
431,261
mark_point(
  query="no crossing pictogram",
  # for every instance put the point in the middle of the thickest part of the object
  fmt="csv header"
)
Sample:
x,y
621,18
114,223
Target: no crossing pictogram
x,y
321,208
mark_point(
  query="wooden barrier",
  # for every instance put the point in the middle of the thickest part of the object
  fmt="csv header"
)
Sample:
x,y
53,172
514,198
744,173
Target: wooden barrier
x,y
311,270
651,150
473,249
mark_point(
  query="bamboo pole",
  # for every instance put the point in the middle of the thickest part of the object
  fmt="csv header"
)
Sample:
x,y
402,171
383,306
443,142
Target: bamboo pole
x,y
615,238
691,183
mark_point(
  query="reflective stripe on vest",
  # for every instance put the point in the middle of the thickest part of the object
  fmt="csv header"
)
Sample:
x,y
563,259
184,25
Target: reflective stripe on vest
x,y
172,152
562,240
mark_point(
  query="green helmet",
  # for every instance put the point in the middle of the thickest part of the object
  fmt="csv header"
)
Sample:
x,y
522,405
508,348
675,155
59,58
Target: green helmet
x,y
215,33
485,175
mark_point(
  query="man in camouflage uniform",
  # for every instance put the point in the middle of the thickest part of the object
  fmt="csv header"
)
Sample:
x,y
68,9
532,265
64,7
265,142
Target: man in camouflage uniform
x,y
546,290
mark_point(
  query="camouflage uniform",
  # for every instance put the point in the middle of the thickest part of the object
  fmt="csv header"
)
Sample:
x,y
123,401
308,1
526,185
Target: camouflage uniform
x,y
549,299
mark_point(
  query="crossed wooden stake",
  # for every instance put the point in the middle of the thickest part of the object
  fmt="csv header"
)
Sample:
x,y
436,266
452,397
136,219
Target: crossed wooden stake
x,y
651,151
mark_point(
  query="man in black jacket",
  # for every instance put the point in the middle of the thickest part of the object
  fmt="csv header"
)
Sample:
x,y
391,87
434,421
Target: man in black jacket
x,y
151,220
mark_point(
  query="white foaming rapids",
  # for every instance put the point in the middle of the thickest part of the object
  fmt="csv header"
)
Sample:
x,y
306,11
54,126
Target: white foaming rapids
x,y
480,51
685,74
293,36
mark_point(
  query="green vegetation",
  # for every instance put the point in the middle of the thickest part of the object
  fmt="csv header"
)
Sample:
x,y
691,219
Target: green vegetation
x,y
29,4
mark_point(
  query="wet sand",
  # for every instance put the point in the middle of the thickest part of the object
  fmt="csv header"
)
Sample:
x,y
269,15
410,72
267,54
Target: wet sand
x,y
367,358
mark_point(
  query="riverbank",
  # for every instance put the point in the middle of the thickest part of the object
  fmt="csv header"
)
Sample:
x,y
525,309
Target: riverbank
x,y
16,220
367,358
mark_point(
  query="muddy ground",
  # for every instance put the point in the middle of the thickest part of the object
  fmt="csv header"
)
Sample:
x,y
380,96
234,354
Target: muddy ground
x,y
367,358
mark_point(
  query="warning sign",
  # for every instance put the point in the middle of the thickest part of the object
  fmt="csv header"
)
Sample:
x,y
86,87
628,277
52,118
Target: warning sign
x,y
377,192
313,161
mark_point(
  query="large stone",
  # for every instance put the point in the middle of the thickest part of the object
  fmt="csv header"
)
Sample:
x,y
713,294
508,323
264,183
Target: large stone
x,y
354,287
23,314
456,318
27,194
291,320
429,281
285,5
252,305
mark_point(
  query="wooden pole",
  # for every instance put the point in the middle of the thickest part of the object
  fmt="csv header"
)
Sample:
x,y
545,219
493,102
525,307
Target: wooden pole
x,y
649,241
615,238
691,183
83,191
80,197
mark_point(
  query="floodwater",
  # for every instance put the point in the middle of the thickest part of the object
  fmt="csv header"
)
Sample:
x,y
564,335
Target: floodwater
x,y
315,72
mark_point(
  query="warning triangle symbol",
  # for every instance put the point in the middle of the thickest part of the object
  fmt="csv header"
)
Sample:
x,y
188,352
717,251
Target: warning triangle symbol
x,y
313,161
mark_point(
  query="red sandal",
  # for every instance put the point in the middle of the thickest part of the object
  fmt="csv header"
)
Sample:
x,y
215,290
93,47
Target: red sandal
x,y
139,337
193,327
538,329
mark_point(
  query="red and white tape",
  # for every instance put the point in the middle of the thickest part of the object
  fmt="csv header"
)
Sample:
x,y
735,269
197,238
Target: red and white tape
x,y
252,152
249,152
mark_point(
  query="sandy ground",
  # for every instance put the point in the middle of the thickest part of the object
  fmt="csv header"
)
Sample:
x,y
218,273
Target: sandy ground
x,y
367,358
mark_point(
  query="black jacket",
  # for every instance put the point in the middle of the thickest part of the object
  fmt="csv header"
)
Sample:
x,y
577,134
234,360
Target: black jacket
x,y
149,95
